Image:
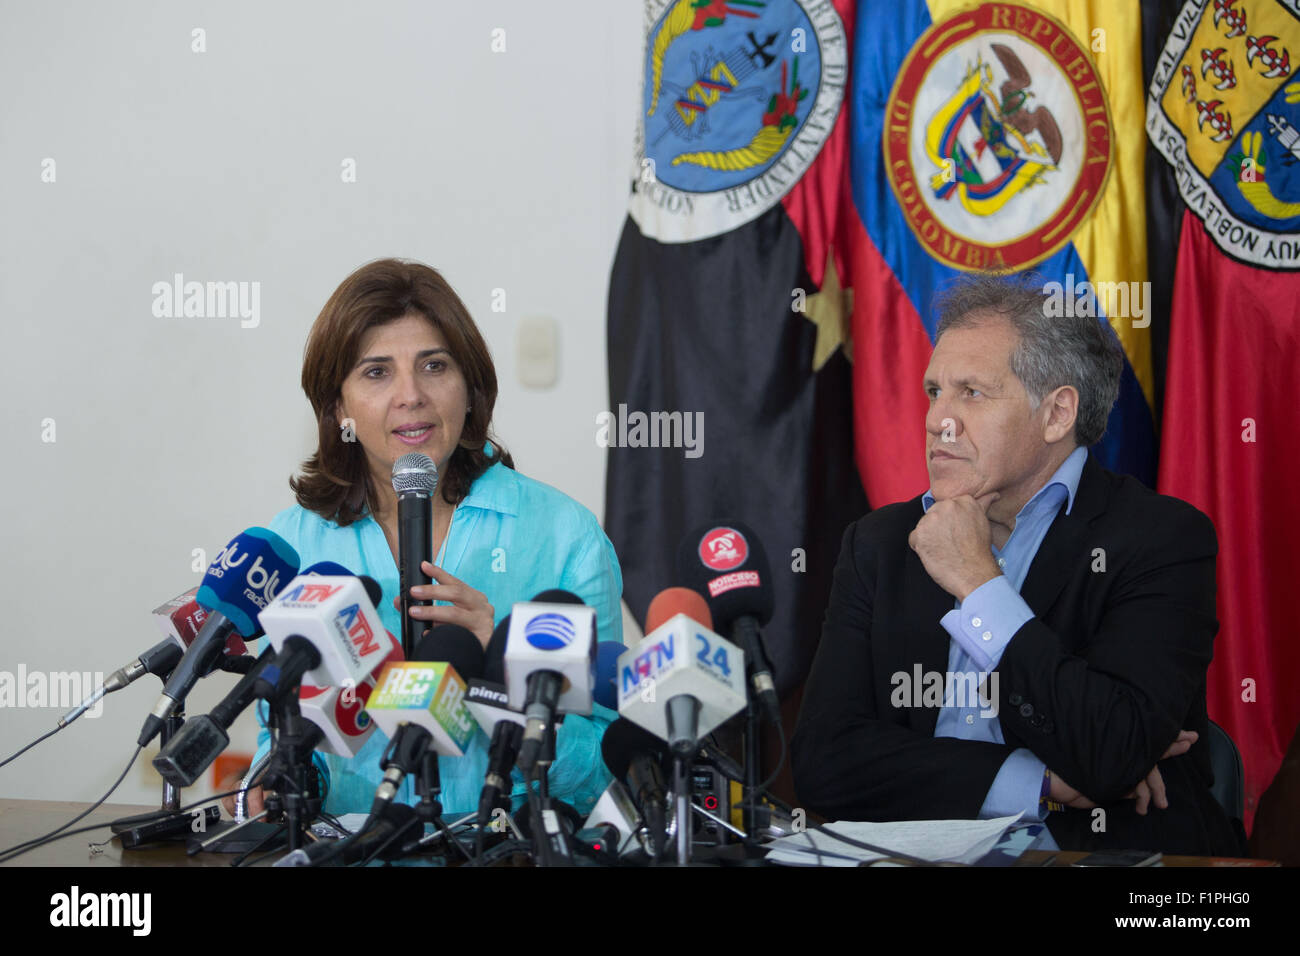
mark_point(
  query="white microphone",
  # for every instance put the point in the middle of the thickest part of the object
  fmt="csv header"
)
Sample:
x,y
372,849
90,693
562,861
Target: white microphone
x,y
550,666
339,712
337,616
681,681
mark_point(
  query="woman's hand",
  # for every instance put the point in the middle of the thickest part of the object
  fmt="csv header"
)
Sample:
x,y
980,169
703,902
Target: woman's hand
x,y
468,608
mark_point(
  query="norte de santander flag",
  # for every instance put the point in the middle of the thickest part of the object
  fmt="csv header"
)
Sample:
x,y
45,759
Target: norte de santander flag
x,y
1223,111
726,310
1004,137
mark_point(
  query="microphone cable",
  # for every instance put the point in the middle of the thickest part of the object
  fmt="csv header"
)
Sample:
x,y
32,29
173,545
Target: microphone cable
x,y
45,736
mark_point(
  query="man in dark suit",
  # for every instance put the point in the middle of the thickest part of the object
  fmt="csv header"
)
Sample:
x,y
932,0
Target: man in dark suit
x,y
1080,603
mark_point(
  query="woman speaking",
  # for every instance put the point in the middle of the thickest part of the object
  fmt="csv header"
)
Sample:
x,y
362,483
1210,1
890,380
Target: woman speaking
x,y
394,364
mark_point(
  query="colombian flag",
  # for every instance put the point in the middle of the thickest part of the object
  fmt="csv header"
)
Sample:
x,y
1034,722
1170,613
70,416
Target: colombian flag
x,y
996,136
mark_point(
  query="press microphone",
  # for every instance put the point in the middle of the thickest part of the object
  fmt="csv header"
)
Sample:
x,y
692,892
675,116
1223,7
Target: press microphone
x,y
420,704
326,630
604,690
415,478
240,582
549,665
180,619
489,702
681,680
727,565
326,625
636,757
339,712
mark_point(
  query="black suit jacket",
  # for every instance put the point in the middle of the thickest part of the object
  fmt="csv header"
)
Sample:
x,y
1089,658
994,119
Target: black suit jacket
x,y
1097,684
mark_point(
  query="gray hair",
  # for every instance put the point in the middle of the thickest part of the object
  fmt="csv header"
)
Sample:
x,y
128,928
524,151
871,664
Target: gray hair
x,y
1079,351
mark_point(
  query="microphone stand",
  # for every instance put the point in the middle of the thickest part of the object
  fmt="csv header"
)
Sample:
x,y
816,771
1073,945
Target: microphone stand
x,y
289,767
550,848
171,794
682,811
753,755
428,786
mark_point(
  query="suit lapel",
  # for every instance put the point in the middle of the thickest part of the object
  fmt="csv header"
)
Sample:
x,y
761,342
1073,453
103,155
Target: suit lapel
x,y
927,637
1065,546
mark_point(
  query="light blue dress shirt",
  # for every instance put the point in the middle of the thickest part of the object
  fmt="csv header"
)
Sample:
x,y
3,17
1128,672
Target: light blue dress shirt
x,y
981,627
510,538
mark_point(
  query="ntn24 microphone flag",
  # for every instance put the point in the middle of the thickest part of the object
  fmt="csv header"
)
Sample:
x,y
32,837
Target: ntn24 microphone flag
x,y
723,311
993,137
1223,112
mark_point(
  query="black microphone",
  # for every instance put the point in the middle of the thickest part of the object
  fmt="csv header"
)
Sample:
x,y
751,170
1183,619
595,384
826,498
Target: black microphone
x,y
506,734
725,562
636,757
415,478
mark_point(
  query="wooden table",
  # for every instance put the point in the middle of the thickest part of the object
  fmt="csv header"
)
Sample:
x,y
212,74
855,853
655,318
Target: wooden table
x,y
27,819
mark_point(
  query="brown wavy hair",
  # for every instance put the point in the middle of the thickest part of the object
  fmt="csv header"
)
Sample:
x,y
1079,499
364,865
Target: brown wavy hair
x,y
335,481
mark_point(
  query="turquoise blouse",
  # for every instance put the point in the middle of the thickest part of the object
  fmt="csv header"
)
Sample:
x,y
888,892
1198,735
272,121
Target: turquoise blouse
x,y
511,538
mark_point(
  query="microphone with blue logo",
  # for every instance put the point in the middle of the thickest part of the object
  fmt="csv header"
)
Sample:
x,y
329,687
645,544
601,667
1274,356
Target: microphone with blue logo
x,y
324,623
550,664
239,583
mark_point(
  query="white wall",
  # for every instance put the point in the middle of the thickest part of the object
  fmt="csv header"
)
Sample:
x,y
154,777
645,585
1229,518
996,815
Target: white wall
x,y
504,170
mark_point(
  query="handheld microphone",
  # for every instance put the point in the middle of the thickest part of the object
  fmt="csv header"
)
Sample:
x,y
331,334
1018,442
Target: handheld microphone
x,y
241,580
636,757
549,665
681,680
420,704
726,563
415,479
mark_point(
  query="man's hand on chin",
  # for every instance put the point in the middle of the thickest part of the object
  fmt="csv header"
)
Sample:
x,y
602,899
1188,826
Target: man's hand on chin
x,y
953,540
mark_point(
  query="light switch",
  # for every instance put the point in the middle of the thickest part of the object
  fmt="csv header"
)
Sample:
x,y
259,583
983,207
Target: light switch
x,y
537,351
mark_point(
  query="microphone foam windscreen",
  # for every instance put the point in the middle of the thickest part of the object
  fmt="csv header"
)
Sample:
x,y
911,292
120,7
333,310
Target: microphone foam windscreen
x,y
605,689
558,596
494,656
246,575
672,601
454,644
725,562
622,741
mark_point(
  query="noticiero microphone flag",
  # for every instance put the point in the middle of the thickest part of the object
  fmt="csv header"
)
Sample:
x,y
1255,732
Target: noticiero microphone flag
x,y
729,386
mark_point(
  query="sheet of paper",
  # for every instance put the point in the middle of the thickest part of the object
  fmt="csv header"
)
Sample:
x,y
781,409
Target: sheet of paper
x,y
935,841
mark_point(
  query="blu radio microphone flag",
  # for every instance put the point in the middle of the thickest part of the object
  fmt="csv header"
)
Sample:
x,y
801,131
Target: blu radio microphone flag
x,y
729,384
1000,137
1223,112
